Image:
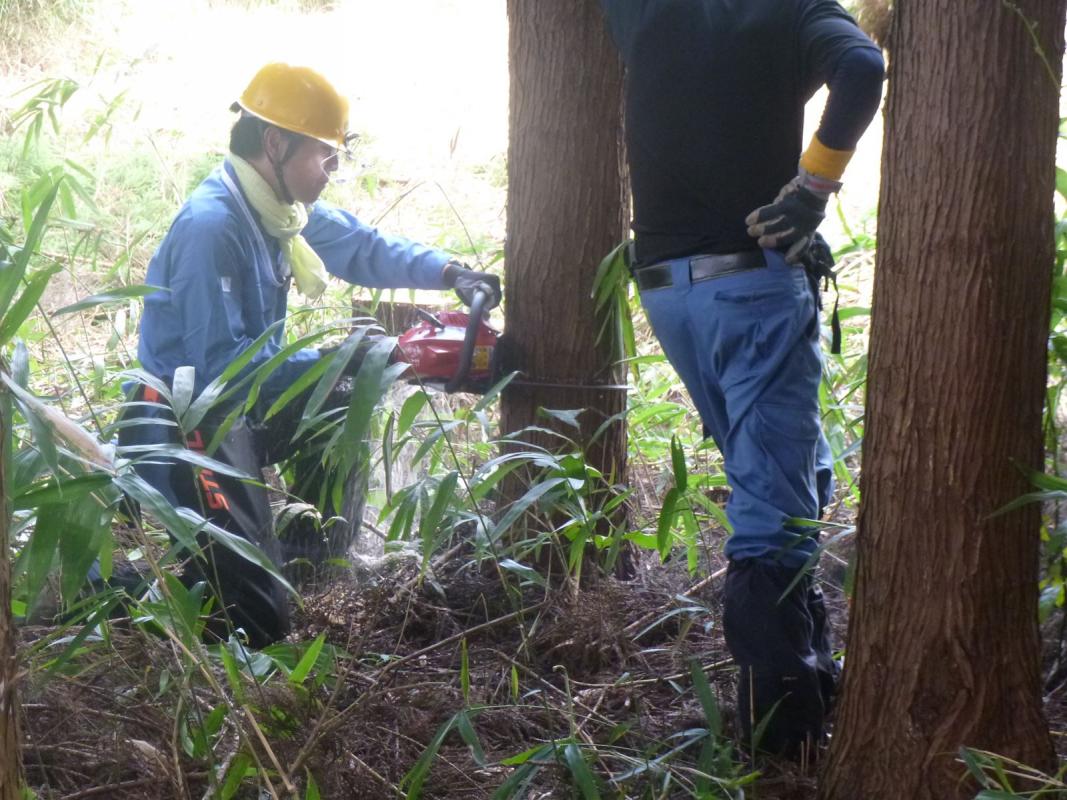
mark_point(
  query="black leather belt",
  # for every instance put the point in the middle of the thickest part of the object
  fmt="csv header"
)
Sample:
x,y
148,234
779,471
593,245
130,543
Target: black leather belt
x,y
701,268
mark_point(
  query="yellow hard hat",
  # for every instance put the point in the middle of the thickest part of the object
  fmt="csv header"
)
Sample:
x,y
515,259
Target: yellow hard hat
x,y
297,99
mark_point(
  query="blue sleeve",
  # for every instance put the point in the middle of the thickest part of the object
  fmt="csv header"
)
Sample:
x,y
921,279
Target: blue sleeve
x,y
208,272
360,254
834,51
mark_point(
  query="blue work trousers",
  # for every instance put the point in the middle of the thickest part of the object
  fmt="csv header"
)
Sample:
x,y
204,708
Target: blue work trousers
x,y
746,346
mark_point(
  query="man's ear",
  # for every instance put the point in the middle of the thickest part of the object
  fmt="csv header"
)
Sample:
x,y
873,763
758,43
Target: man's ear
x,y
275,144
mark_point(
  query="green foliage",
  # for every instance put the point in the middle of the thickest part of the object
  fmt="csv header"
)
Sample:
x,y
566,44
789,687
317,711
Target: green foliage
x,y
1004,779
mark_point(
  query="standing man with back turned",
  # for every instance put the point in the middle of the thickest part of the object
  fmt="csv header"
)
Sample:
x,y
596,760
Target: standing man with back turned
x,y
723,221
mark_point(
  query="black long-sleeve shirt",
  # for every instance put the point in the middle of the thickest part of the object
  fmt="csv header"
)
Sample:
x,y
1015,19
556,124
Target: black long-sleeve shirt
x,y
715,95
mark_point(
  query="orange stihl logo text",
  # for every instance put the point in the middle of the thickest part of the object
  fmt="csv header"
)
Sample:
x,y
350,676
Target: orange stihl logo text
x,y
213,495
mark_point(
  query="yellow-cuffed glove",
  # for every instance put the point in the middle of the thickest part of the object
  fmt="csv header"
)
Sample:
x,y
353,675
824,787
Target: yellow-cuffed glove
x,y
791,220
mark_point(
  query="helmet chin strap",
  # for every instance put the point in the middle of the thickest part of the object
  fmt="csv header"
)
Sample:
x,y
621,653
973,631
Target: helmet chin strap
x,y
290,149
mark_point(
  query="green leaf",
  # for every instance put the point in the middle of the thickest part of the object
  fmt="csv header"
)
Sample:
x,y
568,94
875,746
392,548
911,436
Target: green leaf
x,y
240,768
312,792
416,776
20,364
197,459
153,501
519,507
40,552
182,391
431,519
333,370
297,388
310,657
249,353
56,490
529,763
11,272
702,689
566,416
98,612
434,437
528,573
233,673
109,298
464,672
470,736
366,393
518,782
409,411
681,474
572,757
235,543
26,303
666,521
85,528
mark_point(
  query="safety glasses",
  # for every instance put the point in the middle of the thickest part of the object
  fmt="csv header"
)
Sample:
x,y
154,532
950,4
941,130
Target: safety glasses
x,y
341,165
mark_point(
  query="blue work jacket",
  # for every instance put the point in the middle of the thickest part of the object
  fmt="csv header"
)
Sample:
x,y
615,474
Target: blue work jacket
x,y
224,281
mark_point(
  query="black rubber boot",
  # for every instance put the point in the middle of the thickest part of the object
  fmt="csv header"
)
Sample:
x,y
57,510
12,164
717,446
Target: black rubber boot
x,y
829,670
770,631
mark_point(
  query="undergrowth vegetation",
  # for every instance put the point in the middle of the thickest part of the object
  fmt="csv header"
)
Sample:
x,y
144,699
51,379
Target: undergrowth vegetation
x,y
478,648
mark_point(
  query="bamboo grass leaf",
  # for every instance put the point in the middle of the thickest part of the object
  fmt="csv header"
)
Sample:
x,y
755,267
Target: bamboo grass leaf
x,y
681,474
307,661
431,520
26,303
333,370
519,507
409,411
572,757
182,385
366,392
666,521
11,272
470,737
109,298
416,776
40,552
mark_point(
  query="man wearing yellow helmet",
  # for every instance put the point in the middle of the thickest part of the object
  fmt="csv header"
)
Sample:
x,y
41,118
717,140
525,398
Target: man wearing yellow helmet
x,y
244,236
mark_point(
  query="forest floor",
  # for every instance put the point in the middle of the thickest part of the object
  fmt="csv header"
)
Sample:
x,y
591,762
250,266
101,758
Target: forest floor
x,y
608,664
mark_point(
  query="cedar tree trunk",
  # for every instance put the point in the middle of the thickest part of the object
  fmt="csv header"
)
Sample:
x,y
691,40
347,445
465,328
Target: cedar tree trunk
x,y
567,208
943,647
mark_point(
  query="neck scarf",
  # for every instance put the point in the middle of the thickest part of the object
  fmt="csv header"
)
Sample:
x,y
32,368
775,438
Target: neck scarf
x,y
284,222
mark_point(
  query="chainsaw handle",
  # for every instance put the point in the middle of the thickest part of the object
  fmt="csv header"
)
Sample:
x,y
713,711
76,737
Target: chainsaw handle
x,y
466,354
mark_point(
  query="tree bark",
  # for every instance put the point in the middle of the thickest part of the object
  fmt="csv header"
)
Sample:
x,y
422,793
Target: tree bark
x,y
567,208
943,646
10,760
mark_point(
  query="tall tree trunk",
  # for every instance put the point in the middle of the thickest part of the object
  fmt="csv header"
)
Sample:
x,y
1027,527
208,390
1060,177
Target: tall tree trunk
x,y
943,647
567,208
10,761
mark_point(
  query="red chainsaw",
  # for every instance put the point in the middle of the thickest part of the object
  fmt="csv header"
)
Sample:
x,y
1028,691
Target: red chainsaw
x,y
455,349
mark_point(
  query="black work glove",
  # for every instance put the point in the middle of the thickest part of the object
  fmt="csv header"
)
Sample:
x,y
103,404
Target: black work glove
x,y
790,221
466,282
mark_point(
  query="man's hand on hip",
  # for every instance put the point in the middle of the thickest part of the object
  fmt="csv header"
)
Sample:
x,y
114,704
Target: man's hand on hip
x,y
791,220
